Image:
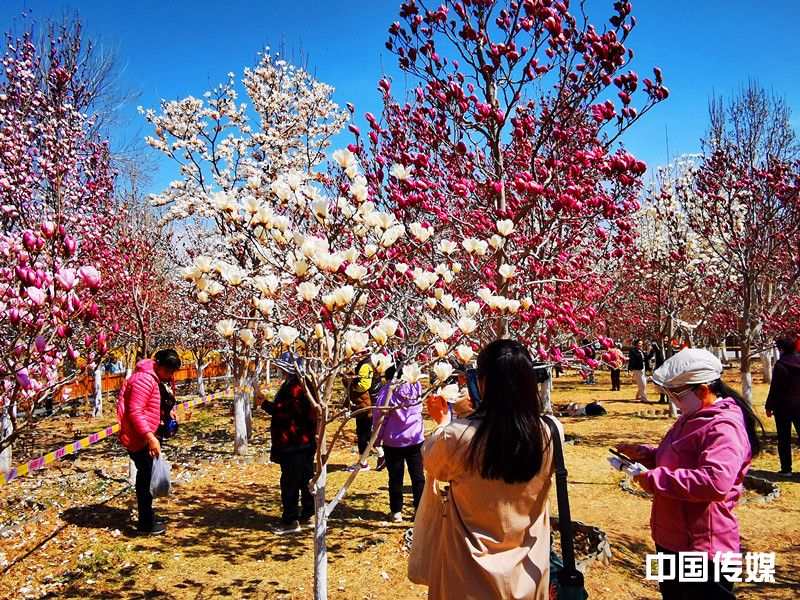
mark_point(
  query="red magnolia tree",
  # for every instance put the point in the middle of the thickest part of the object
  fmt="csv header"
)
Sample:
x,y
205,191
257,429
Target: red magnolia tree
x,y
56,193
510,131
750,216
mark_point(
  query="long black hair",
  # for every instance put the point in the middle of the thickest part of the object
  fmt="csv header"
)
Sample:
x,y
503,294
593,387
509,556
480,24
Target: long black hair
x,y
751,420
509,441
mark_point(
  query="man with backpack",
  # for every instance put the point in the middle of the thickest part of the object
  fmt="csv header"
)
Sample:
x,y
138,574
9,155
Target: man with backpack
x,y
362,385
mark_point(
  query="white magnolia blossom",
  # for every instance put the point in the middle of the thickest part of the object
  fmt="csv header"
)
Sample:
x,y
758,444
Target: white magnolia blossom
x,y
411,373
526,302
401,268
391,235
379,335
265,306
472,308
226,327
507,271
423,279
214,288
447,246
505,227
389,326
420,232
381,362
485,294
355,271
449,392
301,268
246,335
464,353
467,325
232,274
343,296
443,370
400,172
355,341
496,242
475,246
287,334
204,263
344,158
307,291
441,349
266,284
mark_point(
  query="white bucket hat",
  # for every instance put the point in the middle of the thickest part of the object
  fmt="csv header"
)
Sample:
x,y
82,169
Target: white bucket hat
x,y
690,366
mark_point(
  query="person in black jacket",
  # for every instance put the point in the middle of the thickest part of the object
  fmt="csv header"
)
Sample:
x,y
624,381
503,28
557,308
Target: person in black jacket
x,y
636,365
783,400
293,433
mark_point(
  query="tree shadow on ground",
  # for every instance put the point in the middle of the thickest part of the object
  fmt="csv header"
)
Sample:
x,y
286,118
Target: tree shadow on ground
x,y
774,477
96,516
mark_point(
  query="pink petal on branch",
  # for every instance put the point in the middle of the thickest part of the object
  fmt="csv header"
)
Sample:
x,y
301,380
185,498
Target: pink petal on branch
x,y
90,276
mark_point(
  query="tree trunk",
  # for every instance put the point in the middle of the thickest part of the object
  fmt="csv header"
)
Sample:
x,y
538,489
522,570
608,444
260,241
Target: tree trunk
x,y
97,407
269,374
240,401
766,365
746,375
201,385
320,533
545,389
5,431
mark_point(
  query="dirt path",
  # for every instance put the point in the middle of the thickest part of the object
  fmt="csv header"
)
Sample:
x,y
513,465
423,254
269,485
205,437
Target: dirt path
x,y
72,521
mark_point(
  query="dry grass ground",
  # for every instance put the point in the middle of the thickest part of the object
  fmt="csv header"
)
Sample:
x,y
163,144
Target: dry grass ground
x,y
65,532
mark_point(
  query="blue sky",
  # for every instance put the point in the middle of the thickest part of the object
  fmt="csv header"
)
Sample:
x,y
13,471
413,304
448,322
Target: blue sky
x,y
172,49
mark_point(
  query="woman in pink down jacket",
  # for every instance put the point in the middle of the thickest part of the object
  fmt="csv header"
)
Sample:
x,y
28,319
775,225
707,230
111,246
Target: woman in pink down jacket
x,y
139,413
696,473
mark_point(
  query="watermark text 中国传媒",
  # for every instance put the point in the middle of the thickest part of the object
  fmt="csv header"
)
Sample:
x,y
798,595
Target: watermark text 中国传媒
x,y
757,567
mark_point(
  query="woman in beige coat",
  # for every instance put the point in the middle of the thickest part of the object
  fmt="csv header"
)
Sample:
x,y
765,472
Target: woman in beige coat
x,y
495,539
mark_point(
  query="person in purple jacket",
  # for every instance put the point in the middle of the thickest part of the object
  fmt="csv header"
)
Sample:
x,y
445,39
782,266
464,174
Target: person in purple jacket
x,y
402,434
697,472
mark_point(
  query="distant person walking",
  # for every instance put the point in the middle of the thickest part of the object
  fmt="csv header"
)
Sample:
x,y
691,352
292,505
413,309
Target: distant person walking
x,y
656,354
783,401
144,404
637,363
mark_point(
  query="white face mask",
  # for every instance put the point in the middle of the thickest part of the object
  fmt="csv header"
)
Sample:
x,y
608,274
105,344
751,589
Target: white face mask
x,y
688,403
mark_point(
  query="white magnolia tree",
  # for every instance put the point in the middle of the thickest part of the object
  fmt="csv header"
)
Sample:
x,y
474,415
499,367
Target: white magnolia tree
x,y
294,255
226,149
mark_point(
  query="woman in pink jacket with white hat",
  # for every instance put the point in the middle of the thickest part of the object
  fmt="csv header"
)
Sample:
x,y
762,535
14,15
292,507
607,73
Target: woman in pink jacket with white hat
x,y
696,474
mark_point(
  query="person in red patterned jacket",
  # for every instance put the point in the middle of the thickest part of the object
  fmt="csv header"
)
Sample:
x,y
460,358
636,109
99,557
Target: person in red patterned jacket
x,y
139,413
293,432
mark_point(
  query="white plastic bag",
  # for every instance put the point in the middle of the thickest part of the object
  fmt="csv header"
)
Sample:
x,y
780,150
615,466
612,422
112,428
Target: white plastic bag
x,y
160,478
